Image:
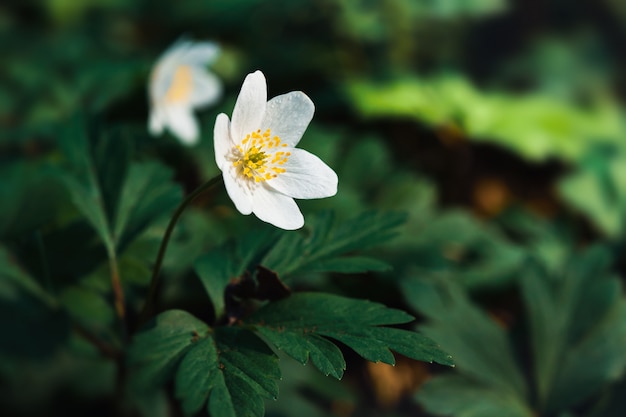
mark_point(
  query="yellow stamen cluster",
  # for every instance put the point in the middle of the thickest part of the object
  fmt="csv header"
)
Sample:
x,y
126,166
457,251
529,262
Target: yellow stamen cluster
x,y
180,89
253,160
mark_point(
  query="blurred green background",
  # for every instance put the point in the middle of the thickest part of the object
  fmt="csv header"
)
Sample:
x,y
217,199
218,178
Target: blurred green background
x,y
497,126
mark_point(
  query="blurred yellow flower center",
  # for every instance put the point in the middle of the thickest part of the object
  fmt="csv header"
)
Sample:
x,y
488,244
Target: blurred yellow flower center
x,y
256,158
180,89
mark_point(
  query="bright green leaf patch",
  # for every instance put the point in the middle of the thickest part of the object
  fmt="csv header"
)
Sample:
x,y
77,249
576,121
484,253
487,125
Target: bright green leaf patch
x,y
536,126
301,325
597,189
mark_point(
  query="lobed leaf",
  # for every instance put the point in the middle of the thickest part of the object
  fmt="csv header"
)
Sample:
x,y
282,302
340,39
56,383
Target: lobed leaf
x,y
119,199
230,369
301,324
328,241
575,318
480,347
156,351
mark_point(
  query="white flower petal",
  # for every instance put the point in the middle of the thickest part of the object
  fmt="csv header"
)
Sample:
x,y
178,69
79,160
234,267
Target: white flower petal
x,y
200,53
164,69
206,88
276,209
182,123
250,106
160,80
238,192
221,140
306,176
288,116
155,123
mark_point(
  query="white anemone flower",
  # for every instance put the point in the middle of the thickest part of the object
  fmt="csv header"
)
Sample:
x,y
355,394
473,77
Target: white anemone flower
x,y
263,170
180,83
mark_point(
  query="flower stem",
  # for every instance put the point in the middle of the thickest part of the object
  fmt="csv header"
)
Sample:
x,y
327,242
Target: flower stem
x,y
118,292
147,308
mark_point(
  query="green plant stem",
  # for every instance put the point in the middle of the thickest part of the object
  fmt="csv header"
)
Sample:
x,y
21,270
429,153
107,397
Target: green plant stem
x,y
166,237
118,292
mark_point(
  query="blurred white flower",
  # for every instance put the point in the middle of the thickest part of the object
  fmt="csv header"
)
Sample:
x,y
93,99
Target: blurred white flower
x,y
263,171
180,83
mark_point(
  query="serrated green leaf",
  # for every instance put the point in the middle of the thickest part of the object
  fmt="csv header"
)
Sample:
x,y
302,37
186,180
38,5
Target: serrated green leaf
x,y
323,249
459,396
156,351
297,324
327,240
231,370
197,374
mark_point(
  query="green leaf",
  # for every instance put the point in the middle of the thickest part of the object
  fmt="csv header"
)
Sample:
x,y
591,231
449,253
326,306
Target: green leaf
x,y
231,260
576,318
29,193
119,199
598,190
156,351
329,241
230,368
301,325
24,306
460,396
232,371
478,255
480,348
322,247
535,126
87,307
13,279
96,165
349,265
147,195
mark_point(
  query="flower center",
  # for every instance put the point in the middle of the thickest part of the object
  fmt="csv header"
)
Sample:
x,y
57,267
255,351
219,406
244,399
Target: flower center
x,y
256,158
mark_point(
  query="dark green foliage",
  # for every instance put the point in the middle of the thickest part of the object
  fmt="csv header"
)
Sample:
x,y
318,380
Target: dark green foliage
x,y
232,369
328,242
479,146
322,247
575,317
118,198
300,324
